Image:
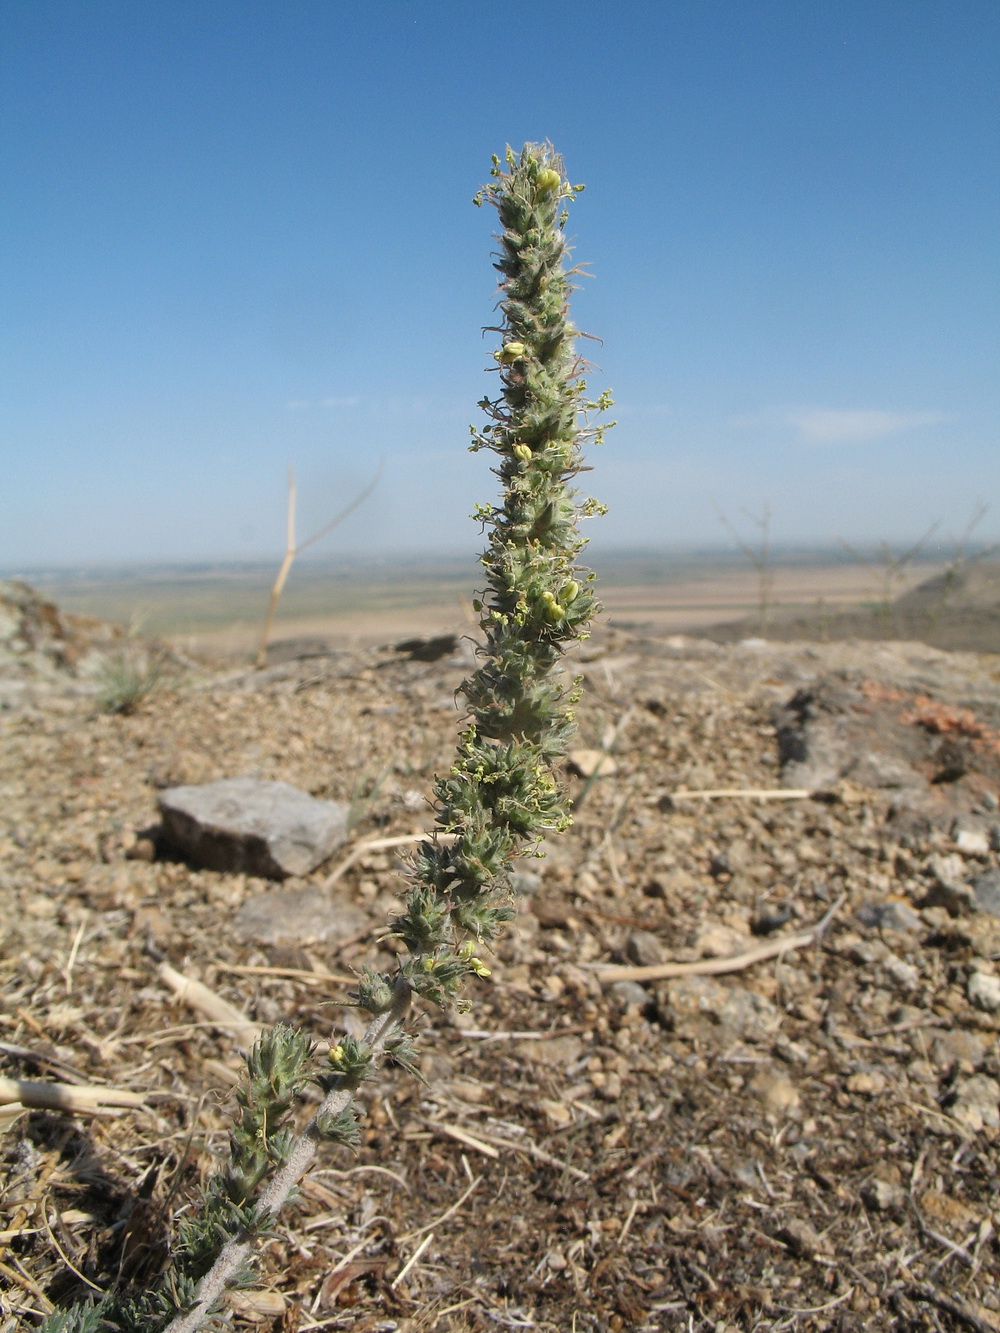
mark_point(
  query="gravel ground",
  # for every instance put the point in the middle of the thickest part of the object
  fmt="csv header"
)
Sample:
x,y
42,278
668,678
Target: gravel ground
x,y
806,1142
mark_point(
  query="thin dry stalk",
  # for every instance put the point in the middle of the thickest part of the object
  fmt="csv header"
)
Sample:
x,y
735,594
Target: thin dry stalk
x,y
711,967
292,550
744,793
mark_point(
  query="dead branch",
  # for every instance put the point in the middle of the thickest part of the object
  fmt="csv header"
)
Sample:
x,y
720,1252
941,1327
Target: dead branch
x,y
708,967
39,1096
292,550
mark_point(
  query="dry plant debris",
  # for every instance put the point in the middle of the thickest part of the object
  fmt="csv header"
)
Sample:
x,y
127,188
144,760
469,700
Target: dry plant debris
x,y
808,1143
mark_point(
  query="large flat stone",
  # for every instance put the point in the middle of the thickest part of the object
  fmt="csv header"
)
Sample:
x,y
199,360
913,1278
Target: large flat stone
x,y
249,825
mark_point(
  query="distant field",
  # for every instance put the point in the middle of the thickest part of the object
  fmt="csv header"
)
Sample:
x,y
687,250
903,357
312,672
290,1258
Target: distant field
x,y
221,608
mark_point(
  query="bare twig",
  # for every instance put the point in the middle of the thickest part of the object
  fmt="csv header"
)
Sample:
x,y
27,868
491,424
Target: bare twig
x,y
456,1132
923,1291
295,973
707,967
759,557
747,793
292,550
64,1096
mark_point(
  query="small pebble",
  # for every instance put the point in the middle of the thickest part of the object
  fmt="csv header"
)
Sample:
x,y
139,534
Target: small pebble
x,y
803,1239
972,842
867,1081
882,1197
776,1091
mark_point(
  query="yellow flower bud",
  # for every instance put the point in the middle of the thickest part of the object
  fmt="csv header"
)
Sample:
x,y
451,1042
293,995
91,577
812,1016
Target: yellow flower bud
x,y
570,592
522,452
336,1054
547,180
479,967
428,964
509,353
467,951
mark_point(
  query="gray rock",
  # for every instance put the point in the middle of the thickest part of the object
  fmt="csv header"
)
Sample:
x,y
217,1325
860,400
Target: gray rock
x,y
731,859
973,842
644,948
986,889
525,882
560,1052
950,889
803,1239
297,916
905,975
890,914
958,1046
628,995
984,991
976,1102
877,769
824,733
248,825
695,1005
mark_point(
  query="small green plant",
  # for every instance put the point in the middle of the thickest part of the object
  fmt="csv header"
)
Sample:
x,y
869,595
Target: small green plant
x,y
126,677
500,797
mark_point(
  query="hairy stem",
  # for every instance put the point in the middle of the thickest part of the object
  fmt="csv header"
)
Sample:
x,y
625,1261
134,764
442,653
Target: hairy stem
x,y
237,1252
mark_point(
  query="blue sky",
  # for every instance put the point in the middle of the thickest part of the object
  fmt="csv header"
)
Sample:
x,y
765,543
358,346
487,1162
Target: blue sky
x,y
240,234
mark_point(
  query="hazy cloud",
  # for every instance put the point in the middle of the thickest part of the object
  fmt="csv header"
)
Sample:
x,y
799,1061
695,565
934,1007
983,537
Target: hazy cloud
x,y
824,425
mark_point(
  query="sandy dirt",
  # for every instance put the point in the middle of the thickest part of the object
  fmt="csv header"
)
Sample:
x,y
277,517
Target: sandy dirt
x,y
807,1142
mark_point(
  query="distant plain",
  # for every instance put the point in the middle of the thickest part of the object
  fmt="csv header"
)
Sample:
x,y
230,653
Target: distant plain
x,y
219,609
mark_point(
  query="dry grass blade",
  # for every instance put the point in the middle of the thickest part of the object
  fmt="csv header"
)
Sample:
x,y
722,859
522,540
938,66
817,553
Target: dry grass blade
x,y
456,1132
412,1260
449,1212
747,793
205,1001
292,973
377,845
